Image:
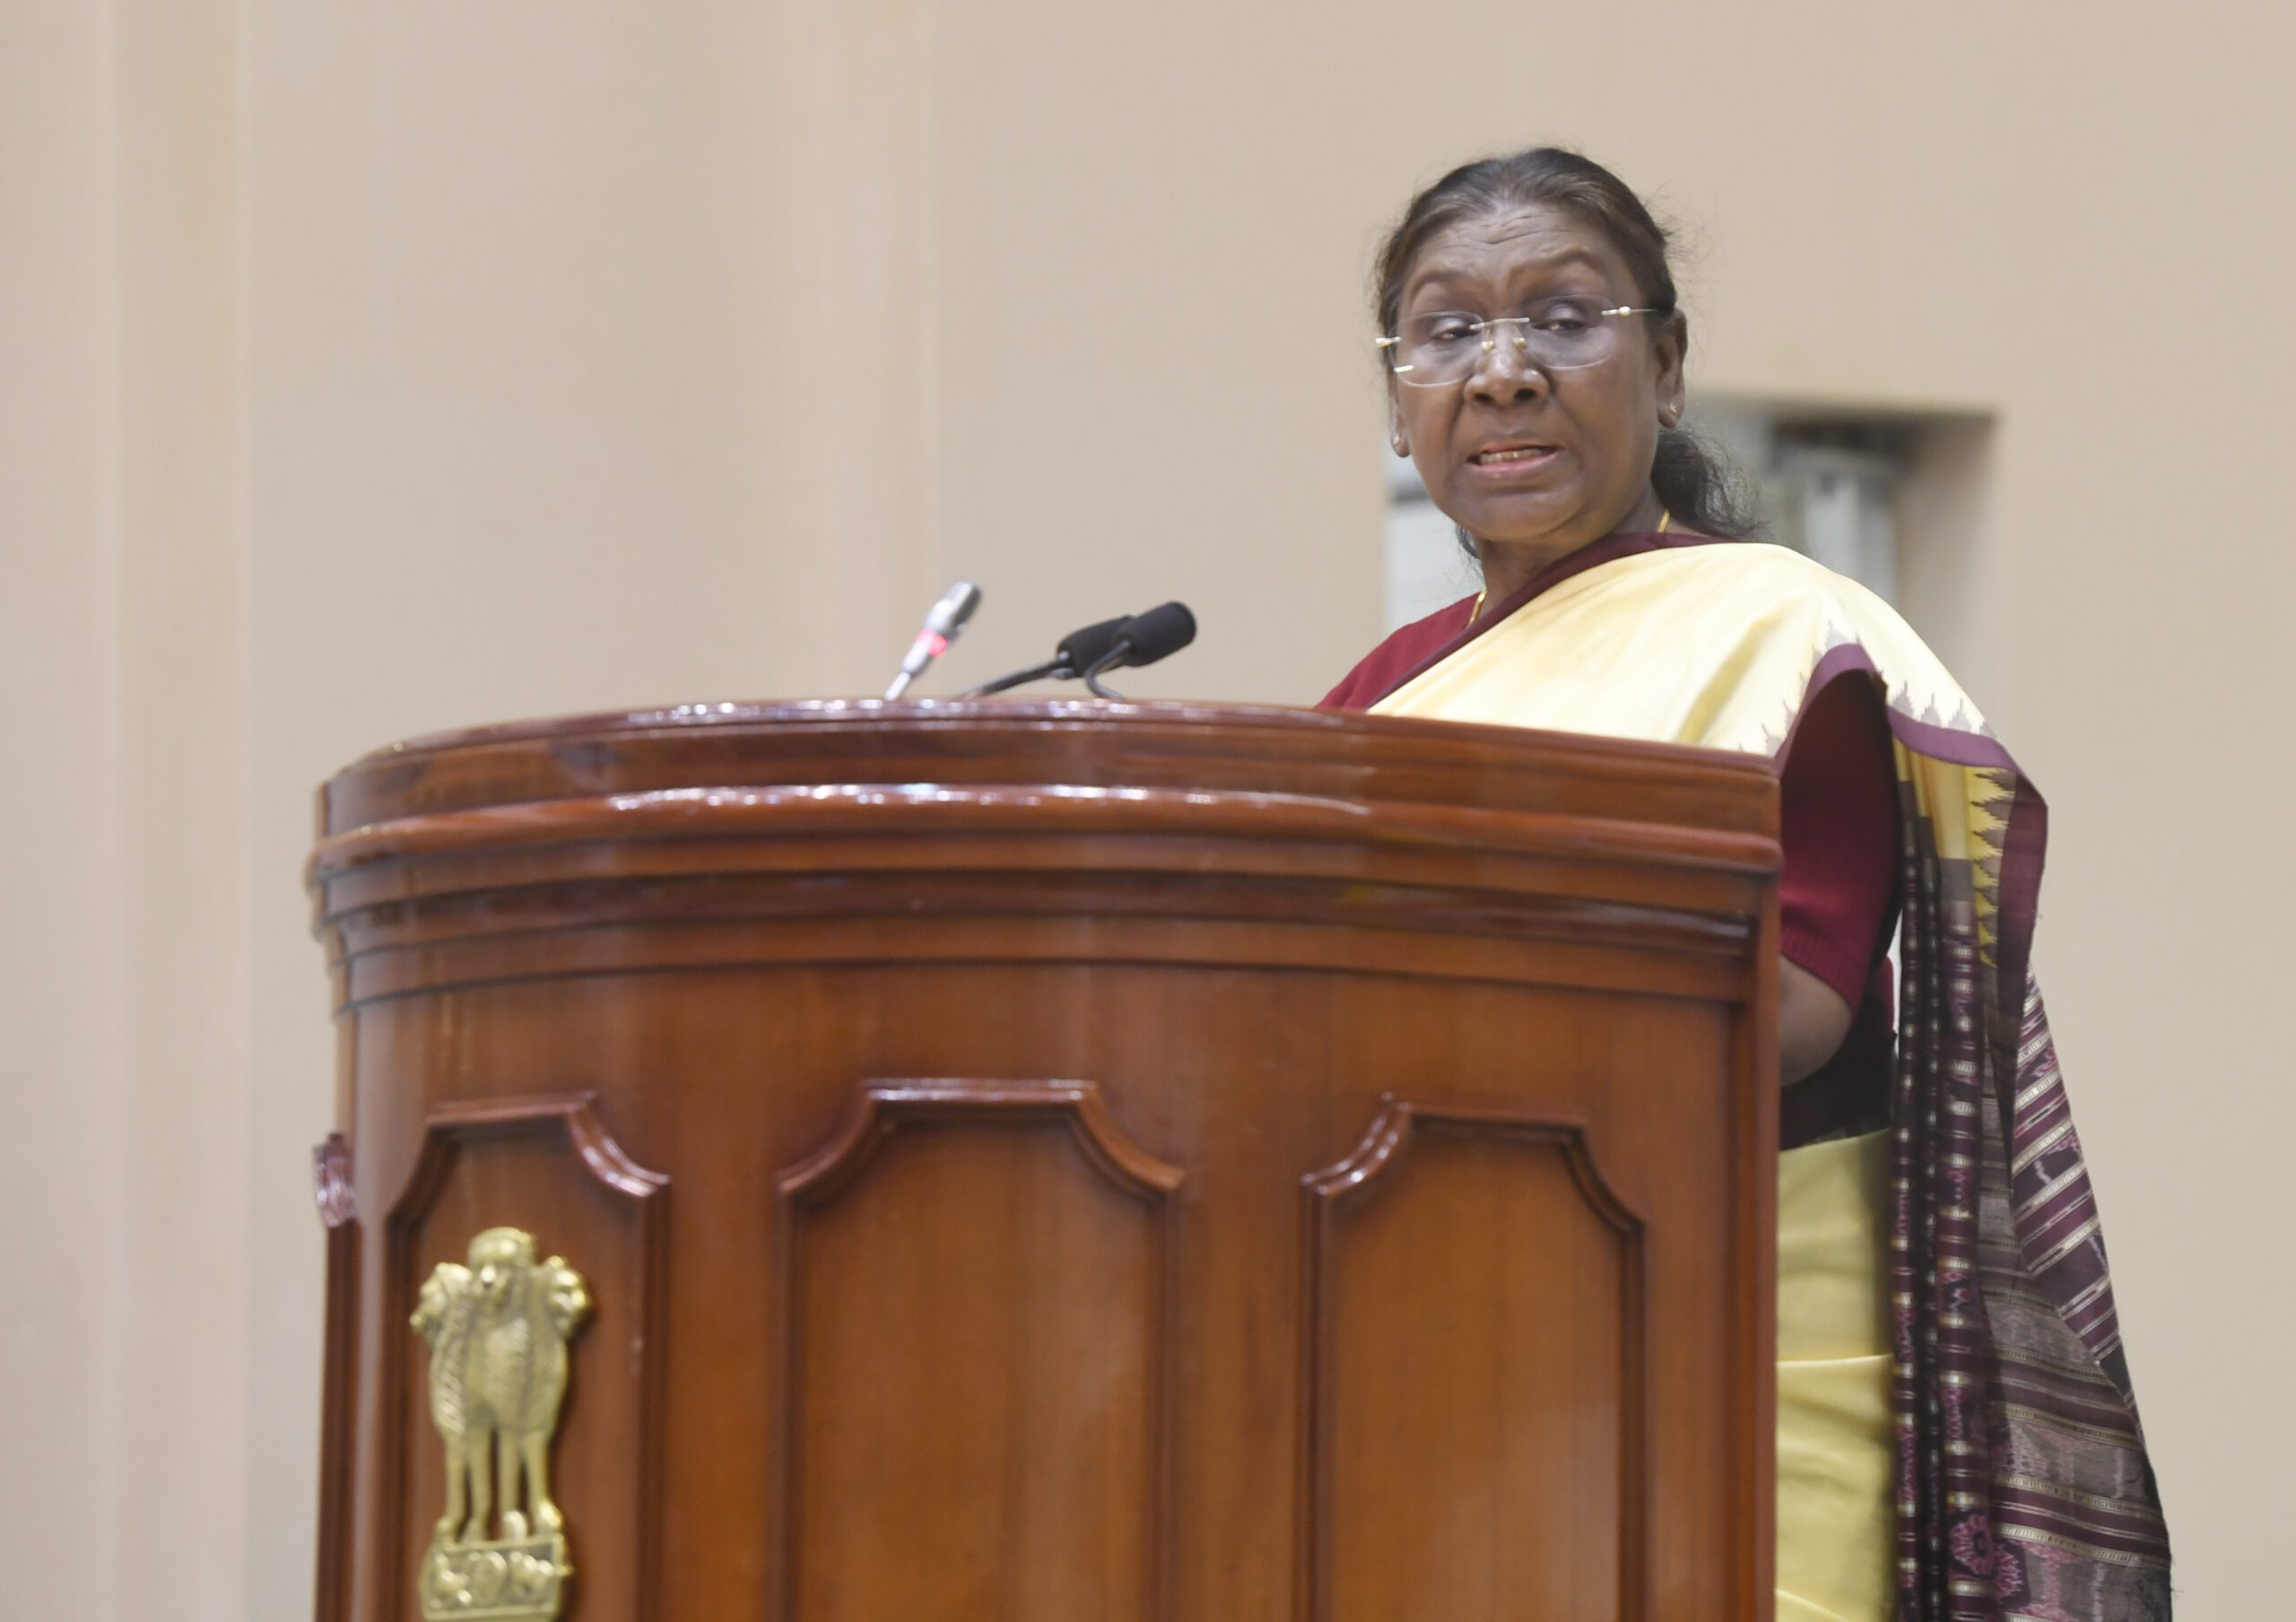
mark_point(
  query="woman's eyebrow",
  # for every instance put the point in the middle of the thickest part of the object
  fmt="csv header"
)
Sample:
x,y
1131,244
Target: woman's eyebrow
x,y
1455,285
1425,280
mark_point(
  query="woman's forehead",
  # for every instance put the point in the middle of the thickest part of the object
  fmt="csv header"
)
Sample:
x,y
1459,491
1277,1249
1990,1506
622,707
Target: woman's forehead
x,y
1511,246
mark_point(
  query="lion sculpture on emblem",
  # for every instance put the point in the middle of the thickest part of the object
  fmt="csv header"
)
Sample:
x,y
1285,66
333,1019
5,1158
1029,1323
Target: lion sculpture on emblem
x,y
498,1332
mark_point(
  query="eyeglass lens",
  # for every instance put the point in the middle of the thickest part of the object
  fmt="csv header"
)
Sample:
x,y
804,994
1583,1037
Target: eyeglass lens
x,y
1561,334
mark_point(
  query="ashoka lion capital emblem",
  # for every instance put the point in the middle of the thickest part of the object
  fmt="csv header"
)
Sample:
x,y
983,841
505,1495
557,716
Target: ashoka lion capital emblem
x,y
498,1331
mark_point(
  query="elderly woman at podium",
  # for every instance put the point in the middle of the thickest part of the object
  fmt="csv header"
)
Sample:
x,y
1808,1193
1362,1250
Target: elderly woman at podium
x,y
1957,1436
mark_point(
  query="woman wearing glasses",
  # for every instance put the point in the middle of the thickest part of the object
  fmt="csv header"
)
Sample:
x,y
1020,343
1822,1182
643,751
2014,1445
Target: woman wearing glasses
x,y
1956,1434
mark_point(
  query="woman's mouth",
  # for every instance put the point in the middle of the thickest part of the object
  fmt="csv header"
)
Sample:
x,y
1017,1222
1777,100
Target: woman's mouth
x,y
1507,459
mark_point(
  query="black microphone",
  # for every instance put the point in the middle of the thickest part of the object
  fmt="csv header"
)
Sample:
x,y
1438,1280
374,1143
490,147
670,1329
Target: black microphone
x,y
1078,652
1158,634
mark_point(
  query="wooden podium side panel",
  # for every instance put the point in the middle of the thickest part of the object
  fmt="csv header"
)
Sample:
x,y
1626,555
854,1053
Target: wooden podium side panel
x,y
976,1283
1475,1379
545,1165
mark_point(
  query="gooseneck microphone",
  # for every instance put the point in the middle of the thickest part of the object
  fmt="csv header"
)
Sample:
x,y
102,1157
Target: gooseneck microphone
x,y
1108,644
1076,653
941,628
1145,638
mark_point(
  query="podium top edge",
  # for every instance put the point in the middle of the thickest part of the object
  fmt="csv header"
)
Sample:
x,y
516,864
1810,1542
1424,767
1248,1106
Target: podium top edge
x,y
1028,714
1036,767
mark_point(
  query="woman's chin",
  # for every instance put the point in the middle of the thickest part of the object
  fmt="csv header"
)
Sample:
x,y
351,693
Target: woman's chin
x,y
1552,521
1544,524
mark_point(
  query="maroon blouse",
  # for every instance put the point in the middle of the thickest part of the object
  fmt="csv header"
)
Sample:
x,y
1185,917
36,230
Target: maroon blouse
x,y
1839,830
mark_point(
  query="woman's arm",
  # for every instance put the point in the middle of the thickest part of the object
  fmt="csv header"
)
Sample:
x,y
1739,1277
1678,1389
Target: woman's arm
x,y
1838,825
1812,1021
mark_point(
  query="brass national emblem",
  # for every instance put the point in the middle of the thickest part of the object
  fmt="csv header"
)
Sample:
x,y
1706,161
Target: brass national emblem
x,y
498,1331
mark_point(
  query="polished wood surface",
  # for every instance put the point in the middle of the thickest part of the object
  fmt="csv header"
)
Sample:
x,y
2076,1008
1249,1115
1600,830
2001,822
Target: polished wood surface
x,y
1039,1161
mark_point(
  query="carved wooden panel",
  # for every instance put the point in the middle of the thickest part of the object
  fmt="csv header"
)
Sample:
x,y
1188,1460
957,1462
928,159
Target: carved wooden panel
x,y
546,1164
338,1372
1475,1378
976,1283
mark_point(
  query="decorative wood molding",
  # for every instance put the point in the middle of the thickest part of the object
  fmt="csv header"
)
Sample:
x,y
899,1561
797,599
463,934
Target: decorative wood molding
x,y
737,922
338,1208
1374,1164
576,1114
1384,758
528,852
885,1109
881,1110
448,1131
1137,815
1390,1137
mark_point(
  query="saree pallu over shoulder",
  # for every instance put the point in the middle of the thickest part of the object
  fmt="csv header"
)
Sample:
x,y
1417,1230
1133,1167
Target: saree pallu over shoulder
x,y
2023,1490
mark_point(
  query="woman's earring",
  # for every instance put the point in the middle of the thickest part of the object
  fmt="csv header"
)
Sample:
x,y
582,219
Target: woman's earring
x,y
1401,449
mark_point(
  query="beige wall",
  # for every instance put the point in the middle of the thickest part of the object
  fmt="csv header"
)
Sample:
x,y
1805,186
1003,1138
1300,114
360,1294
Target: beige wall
x,y
62,1222
125,1252
372,367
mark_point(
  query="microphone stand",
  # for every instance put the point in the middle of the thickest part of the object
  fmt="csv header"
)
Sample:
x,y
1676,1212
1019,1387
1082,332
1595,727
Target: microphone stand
x,y
1056,668
1114,659
1077,649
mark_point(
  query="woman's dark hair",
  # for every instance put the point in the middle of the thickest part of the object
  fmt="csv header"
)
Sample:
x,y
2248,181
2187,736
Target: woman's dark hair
x,y
1698,487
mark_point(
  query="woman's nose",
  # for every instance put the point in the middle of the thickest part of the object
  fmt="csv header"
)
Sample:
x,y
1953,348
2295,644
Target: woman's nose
x,y
1505,373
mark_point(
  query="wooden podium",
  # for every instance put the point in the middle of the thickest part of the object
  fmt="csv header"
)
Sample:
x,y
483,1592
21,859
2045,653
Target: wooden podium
x,y
1051,1163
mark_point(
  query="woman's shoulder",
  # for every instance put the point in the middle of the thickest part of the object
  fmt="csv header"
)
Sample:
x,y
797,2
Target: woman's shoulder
x,y
1712,572
1398,654
1777,593
1767,560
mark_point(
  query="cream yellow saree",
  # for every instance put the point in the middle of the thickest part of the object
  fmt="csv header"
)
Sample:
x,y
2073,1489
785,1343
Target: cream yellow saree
x,y
1957,1434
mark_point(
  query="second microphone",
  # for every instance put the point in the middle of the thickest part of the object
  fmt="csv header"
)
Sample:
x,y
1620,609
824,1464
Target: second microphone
x,y
1095,650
